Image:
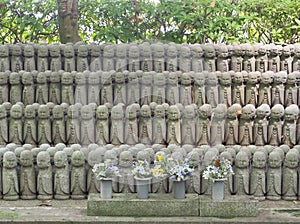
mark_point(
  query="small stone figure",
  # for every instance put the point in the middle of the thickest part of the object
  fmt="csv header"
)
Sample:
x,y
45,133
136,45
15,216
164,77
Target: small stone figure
x,y
159,126
236,63
4,86
231,127
80,95
16,58
61,176
93,185
185,62
264,91
289,127
185,89
217,130
121,57
286,60
29,60
44,125
209,58
193,183
117,126
41,91
133,58
54,88
131,126
296,59
126,180
15,88
275,126
146,57
102,125
27,176
146,88
4,58
291,96
82,58
29,127
260,126
278,88
238,89
252,89
274,58
158,57
249,59
274,176
3,126
188,126
44,177
28,88
108,57
145,125
159,86
258,176
96,64
16,125
290,176
9,177
173,126
93,95
222,60
58,125
106,88
212,91
55,58
241,174
42,58
225,89
120,88
73,125
197,58
78,176
67,91
87,127
246,126
261,63
203,125
69,58
171,60
172,91
199,89
133,89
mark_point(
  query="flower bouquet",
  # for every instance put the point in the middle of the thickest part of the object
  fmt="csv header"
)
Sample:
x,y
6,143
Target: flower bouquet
x,y
179,170
106,170
141,169
219,169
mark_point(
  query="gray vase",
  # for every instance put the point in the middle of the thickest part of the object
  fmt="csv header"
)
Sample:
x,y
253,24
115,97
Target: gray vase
x,y
218,189
142,187
106,188
179,189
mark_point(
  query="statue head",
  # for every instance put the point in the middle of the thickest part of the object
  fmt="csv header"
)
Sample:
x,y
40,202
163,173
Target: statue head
x,y
86,112
133,51
275,159
69,51
109,51
26,158
223,51
291,160
102,112
9,160
60,159
131,112
205,111
78,159
83,50
242,160
16,111
43,160
159,111
126,159
277,111
117,113
28,50
197,51
209,51
4,51
145,111
43,50
291,112
173,113
259,159
43,112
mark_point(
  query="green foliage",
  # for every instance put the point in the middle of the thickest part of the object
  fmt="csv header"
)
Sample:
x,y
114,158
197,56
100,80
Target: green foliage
x,y
180,21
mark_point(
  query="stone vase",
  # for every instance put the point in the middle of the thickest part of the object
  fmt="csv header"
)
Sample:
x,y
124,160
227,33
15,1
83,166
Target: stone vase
x,y
217,193
142,187
106,188
179,189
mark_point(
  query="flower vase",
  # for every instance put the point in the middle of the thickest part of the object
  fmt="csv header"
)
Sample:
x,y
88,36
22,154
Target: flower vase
x,y
179,189
142,187
218,189
106,188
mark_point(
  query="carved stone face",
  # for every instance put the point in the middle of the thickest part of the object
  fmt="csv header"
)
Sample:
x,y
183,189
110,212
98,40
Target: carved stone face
x,y
26,158
185,52
93,78
43,160
131,112
28,51
265,78
27,78
259,160
108,51
252,79
186,79
274,160
29,111
283,77
159,51
102,112
86,112
9,160
276,112
14,78
54,77
297,52
249,51
116,113
199,79
3,78
94,157
77,159
2,112
121,51
291,160
286,51
119,77
3,51
231,113
95,51
60,159
174,113
146,51
197,51
209,52
242,160
42,51
223,52
212,79
173,78
289,114
69,51
125,159
291,79
134,52
219,113
159,111
172,51
58,112
225,79
83,51
41,78
145,111
54,51
16,111
43,112
189,112
238,78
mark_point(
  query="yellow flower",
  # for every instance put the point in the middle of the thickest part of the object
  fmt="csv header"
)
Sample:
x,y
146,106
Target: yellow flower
x,y
160,158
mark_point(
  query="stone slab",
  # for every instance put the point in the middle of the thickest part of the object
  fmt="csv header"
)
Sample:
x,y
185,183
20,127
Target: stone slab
x,y
234,206
162,205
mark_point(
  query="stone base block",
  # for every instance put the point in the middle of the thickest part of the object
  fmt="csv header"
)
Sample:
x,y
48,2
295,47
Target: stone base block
x,y
157,205
233,206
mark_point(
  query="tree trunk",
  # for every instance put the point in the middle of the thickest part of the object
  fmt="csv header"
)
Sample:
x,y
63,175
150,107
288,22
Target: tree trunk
x,y
68,20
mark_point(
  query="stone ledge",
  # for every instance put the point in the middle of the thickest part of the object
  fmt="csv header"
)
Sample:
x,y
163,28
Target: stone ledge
x,y
157,205
234,206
